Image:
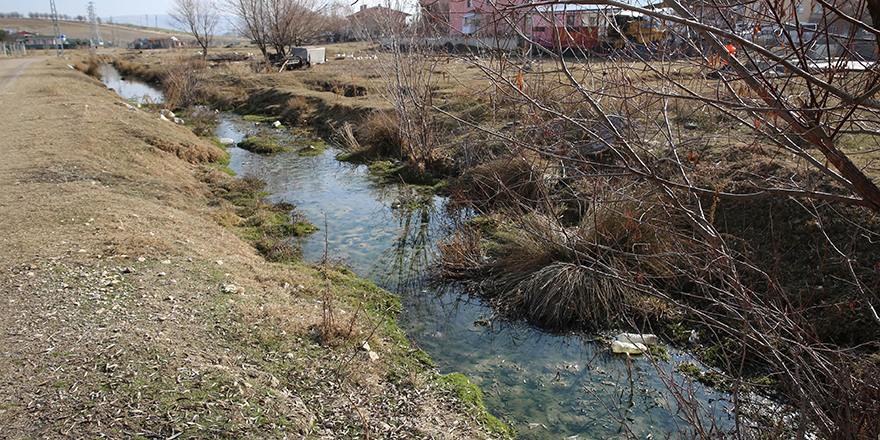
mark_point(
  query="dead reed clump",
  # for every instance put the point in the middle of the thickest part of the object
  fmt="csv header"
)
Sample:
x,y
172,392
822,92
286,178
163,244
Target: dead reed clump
x,y
511,182
462,253
538,266
142,71
296,110
90,66
565,295
379,136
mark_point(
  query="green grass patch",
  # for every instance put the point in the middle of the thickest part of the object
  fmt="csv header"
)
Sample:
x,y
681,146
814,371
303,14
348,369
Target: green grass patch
x,y
310,147
260,118
462,388
262,145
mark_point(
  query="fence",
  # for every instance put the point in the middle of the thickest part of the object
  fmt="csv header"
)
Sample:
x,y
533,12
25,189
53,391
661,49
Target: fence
x,y
12,49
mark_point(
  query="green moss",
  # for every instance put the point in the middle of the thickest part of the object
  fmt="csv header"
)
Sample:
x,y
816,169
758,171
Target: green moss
x,y
462,388
689,369
659,352
260,118
262,145
310,148
708,378
225,169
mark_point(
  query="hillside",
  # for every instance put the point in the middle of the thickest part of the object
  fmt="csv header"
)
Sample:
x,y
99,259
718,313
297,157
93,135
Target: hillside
x,y
120,34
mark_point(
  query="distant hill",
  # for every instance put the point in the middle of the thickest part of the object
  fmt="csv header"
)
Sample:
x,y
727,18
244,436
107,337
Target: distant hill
x,y
118,33
164,21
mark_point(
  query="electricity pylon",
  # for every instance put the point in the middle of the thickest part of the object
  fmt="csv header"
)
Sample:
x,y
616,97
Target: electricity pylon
x,y
59,45
94,31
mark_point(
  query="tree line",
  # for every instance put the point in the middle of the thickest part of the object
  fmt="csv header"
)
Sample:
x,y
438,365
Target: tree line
x,y
42,16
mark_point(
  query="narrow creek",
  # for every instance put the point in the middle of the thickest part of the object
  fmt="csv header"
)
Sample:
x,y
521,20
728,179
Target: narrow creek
x,y
130,89
546,386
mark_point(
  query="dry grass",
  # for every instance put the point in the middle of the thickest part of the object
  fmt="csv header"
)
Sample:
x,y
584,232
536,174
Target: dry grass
x,y
200,152
90,65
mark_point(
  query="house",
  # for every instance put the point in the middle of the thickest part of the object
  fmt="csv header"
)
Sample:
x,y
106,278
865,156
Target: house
x,y
376,22
33,40
159,43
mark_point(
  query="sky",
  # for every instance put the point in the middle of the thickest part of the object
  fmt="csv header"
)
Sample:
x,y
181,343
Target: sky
x,y
104,8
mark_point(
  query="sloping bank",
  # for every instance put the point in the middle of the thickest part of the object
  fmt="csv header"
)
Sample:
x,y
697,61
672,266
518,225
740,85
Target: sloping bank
x,y
134,307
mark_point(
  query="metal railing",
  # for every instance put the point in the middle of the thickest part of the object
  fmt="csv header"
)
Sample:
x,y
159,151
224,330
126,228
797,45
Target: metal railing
x,y
12,49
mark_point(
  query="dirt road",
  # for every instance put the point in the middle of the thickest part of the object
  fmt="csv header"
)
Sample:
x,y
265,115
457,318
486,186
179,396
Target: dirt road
x,y
11,69
127,311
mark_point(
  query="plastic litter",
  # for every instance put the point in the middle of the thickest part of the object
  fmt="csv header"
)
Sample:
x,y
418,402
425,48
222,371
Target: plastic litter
x,y
636,338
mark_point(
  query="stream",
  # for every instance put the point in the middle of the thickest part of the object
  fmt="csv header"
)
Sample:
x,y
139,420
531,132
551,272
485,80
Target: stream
x,y
546,386
130,89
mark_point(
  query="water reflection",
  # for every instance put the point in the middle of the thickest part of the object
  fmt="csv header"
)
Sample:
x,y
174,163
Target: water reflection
x,y
544,385
129,89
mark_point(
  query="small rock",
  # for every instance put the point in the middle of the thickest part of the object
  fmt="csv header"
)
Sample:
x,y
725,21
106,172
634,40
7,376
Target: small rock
x,y
178,121
226,141
232,288
276,124
290,356
690,126
160,274
373,356
166,261
365,346
163,118
167,113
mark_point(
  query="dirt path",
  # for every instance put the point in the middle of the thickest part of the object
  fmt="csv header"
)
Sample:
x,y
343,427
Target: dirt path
x,y
11,69
127,311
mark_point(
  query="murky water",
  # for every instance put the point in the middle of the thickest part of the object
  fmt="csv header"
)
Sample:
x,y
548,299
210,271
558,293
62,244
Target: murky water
x,y
131,90
544,385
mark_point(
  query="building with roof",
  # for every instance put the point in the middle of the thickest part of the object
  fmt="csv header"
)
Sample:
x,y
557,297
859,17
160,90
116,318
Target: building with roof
x,y
372,23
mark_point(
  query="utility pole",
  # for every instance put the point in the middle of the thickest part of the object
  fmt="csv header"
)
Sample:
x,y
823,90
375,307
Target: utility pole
x,y
94,30
59,45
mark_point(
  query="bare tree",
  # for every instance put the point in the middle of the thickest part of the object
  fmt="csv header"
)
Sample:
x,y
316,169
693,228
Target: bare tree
x,y
199,18
278,24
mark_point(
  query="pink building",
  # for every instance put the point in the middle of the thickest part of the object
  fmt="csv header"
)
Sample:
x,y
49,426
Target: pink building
x,y
582,26
572,25
475,17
